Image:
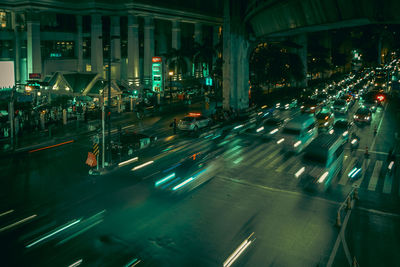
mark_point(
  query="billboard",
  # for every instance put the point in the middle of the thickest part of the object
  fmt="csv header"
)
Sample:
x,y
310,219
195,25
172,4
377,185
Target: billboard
x,y
7,77
156,74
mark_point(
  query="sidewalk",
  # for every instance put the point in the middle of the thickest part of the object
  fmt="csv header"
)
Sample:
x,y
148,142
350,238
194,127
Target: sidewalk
x,y
74,129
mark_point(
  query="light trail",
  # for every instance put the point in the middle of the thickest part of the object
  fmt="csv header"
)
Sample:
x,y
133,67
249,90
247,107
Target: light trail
x,y
46,147
128,161
6,212
299,172
242,247
17,223
77,263
53,233
143,165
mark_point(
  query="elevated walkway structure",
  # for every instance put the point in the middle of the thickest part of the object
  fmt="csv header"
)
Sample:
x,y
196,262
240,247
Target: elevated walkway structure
x,y
273,18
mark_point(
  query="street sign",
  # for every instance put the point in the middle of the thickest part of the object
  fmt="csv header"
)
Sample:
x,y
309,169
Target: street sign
x,y
35,76
96,139
157,70
209,81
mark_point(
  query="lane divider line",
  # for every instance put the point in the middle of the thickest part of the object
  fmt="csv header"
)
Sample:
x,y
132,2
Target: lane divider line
x,y
17,223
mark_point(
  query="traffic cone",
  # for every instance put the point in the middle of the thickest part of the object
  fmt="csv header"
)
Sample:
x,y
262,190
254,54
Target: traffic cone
x,y
366,152
348,207
338,222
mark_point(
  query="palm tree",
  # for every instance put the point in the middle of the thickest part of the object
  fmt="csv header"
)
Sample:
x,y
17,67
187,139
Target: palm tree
x,y
175,60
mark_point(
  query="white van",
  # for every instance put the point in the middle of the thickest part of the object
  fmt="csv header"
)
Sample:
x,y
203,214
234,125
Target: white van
x,y
323,161
298,133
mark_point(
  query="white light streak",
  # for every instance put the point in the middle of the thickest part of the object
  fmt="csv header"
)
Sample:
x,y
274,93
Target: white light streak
x,y
297,144
128,161
17,223
143,165
53,233
260,129
183,183
274,131
391,165
77,263
299,172
6,212
233,257
323,177
280,140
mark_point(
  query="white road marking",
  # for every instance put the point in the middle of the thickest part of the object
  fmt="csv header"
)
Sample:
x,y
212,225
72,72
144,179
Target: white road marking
x,y
285,164
379,126
387,185
257,154
375,175
275,159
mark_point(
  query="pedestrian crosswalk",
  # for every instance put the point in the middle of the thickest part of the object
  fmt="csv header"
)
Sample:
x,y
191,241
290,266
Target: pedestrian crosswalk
x,y
373,175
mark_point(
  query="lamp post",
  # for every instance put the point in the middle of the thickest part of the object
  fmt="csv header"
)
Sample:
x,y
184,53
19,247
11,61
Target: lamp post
x,y
171,73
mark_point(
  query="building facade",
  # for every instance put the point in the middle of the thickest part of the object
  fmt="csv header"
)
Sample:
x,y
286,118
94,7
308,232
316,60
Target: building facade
x,y
44,37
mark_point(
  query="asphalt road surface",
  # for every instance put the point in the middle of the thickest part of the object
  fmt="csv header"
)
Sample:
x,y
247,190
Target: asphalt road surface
x,y
251,209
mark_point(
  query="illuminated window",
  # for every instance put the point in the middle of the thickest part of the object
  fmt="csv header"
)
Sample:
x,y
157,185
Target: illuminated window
x,y
88,67
3,19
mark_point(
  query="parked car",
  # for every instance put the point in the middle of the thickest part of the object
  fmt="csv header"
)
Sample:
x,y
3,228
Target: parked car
x,y
194,122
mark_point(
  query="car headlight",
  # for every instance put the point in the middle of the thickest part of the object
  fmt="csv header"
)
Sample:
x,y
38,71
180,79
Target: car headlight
x,y
302,107
312,108
345,133
342,108
297,144
355,117
368,117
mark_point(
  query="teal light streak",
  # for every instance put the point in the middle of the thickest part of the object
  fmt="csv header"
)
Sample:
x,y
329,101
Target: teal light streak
x,y
165,179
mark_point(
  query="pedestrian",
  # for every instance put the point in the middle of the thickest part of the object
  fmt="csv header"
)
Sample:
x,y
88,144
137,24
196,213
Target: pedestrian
x,y
173,125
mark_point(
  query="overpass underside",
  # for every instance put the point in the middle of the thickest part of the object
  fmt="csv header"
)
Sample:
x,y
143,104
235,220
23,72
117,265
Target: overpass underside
x,y
270,18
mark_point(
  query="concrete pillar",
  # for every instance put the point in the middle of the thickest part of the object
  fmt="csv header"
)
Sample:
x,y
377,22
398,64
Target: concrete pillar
x,y
78,43
148,47
215,40
236,58
301,40
162,39
116,47
34,55
198,33
133,49
176,34
96,44
17,45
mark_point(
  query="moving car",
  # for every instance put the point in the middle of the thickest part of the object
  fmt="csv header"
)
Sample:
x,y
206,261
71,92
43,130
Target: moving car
x,y
340,106
323,160
286,103
343,128
128,142
298,133
325,120
311,106
363,114
193,122
270,127
188,173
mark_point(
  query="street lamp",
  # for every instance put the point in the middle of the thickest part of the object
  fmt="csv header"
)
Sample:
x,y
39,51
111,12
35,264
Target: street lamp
x,y
171,73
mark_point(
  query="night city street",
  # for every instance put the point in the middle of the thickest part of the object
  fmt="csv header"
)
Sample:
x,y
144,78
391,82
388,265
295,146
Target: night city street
x,y
204,133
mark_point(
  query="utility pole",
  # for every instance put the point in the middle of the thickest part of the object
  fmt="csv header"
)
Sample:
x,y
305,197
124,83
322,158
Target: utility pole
x,y
109,102
103,133
11,116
